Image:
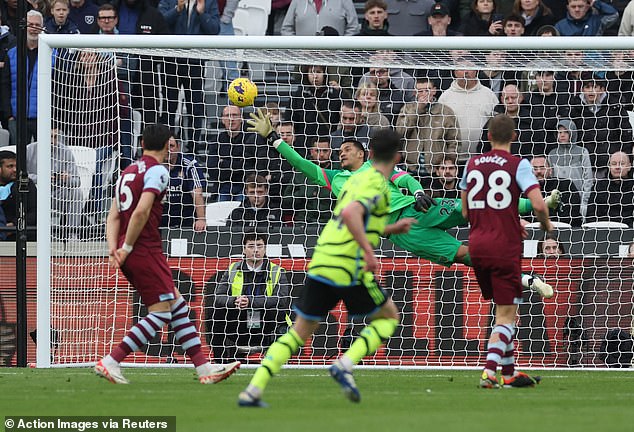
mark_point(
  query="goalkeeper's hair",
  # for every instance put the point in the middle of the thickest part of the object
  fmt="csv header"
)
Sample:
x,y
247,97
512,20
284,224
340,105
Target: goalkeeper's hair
x,y
384,145
156,136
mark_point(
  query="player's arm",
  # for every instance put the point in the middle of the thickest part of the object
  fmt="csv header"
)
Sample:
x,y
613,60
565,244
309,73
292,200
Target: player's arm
x,y
139,218
465,209
404,180
540,208
112,233
463,195
261,124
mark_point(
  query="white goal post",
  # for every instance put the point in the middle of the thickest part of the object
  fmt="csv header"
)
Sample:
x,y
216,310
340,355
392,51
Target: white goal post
x,y
84,308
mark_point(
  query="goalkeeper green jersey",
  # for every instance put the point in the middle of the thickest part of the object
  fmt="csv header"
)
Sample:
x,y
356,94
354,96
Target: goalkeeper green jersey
x,y
338,259
334,179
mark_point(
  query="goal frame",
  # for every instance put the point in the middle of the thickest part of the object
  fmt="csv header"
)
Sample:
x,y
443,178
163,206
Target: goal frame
x,y
47,43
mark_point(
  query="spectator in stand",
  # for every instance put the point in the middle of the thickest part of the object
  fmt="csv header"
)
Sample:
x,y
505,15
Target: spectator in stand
x,y
84,14
587,18
543,104
438,20
66,195
286,129
9,15
569,209
308,18
630,251
472,104
444,181
139,17
396,87
568,82
352,125
482,20
367,95
274,112
495,76
547,30
528,141
184,17
256,210
250,303
42,6
571,161
626,28
8,80
7,41
227,9
603,124
550,247
59,23
375,19
184,203
8,196
612,198
230,156
430,130
408,17
514,25
276,17
309,202
315,104
535,13
621,79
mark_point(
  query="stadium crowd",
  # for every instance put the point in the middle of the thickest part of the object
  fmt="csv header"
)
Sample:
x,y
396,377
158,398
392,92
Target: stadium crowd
x,y
574,126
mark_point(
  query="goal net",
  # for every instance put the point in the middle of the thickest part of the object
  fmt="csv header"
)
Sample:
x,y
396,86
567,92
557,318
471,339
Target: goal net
x,y
573,112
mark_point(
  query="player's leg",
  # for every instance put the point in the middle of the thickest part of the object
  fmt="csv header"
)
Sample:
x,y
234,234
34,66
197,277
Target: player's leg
x,y
367,299
139,335
314,303
499,277
187,337
500,339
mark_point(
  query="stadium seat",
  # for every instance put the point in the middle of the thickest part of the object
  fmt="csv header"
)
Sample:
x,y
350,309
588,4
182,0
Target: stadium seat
x,y
218,212
241,22
258,16
558,225
604,224
4,138
10,148
85,158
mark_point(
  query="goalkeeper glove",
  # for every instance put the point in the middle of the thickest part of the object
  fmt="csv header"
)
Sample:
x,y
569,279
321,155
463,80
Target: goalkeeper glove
x,y
261,124
422,202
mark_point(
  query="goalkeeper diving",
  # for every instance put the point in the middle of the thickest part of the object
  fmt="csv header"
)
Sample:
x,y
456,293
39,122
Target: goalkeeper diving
x,y
427,238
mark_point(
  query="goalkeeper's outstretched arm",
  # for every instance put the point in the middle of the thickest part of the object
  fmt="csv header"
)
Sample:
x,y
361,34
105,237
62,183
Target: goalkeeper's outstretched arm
x,y
261,124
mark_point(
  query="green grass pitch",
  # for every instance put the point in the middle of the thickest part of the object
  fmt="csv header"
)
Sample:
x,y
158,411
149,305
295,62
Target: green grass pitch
x,y
308,400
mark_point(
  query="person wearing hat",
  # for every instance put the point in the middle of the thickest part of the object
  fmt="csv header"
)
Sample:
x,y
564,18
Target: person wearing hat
x,y
439,20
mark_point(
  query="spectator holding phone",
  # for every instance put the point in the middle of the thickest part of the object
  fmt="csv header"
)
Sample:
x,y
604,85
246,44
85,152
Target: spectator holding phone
x,y
482,20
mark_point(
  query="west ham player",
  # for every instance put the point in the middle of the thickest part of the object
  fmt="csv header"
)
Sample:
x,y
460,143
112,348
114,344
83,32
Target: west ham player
x,y
491,188
134,244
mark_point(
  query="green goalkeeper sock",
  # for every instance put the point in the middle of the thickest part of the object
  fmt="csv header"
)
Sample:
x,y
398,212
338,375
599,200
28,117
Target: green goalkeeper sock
x,y
371,338
525,206
277,354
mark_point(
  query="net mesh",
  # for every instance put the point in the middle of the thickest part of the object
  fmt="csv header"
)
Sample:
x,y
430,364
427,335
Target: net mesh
x,y
101,101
